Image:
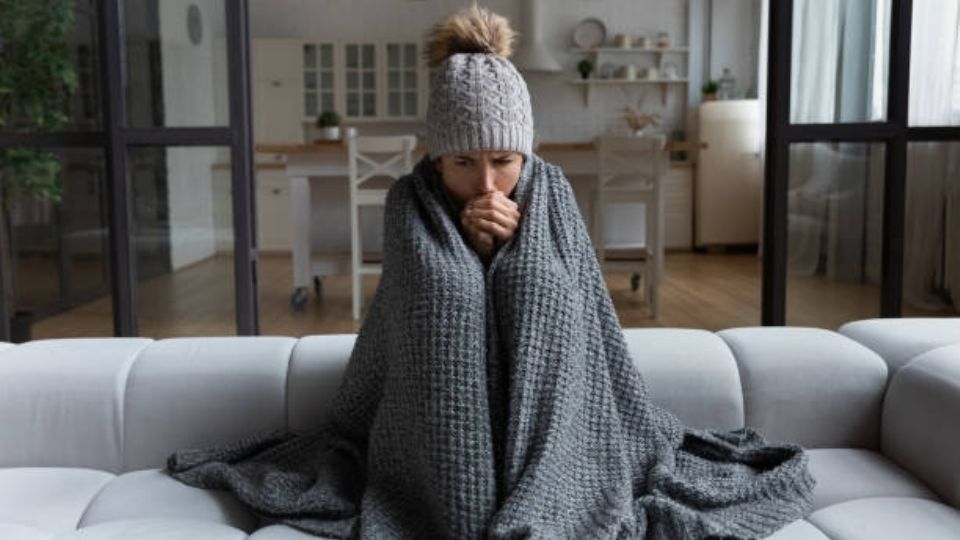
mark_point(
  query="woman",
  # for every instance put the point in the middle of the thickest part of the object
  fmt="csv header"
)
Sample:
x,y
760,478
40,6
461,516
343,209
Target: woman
x,y
490,393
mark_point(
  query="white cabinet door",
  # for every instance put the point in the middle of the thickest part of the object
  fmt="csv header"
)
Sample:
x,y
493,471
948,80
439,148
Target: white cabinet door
x,y
678,207
273,210
277,85
277,58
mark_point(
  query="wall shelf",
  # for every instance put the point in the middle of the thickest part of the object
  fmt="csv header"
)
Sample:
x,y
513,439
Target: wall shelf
x,y
627,50
588,84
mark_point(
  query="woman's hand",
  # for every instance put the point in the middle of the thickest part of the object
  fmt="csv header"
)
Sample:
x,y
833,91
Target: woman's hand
x,y
489,221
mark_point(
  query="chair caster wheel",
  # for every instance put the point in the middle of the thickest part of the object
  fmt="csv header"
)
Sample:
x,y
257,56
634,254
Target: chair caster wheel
x,y
299,298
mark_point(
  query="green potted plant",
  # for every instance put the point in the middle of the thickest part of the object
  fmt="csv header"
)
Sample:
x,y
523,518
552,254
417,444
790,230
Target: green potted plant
x,y
329,124
36,82
709,90
585,67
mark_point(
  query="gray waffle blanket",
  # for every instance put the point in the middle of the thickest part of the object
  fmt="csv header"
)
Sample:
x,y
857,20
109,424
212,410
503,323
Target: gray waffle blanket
x,y
500,401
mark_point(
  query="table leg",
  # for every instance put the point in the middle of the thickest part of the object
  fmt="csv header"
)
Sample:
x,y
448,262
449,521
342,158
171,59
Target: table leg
x,y
300,230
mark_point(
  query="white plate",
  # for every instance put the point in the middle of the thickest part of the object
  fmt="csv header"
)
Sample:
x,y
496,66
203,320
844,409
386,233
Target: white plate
x,y
589,33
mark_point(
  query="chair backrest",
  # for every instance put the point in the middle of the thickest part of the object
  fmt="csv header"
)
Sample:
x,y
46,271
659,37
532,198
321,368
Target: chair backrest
x,y
637,162
379,156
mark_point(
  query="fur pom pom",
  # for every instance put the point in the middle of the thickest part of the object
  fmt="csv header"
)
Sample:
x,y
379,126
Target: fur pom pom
x,y
473,30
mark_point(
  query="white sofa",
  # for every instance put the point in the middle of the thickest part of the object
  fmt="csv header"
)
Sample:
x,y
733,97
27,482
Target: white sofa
x,y
86,424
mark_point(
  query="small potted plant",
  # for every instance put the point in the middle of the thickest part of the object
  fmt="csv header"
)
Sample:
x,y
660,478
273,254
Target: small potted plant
x,y
585,67
709,90
329,124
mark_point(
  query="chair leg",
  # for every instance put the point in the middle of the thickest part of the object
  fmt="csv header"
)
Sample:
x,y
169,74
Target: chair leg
x,y
355,261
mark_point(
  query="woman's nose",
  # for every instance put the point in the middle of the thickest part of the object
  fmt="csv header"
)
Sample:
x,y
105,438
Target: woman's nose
x,y
487,183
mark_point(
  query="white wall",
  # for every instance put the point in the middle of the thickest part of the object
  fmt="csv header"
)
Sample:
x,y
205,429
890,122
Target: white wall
x,y
734,38
194,91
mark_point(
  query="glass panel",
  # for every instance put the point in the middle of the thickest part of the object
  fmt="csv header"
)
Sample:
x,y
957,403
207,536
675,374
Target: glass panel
x,y
53,77
839,61
369,80
353,104
393,80
931,249
369,104
183,237
393,104
368,60
310,79
935,63
310,55
353,80
326,56
60,250
326,80
410,104
310,104
176,63
834,227
393,55
410,55
327,99
410,80
353,59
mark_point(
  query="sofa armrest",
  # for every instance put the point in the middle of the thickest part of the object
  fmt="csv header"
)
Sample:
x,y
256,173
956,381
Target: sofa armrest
x,y
921,420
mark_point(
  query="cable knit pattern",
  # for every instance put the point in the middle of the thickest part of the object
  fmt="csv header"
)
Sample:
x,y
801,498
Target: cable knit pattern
x,y
478,102
500,402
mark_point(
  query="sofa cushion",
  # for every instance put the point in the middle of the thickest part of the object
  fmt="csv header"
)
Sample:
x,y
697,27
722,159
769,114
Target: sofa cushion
x,y
154,494
47,498
191,392
690,373
61,402
921,420
316,367
844,474
809,386
12,531
157,529
899,340
888,518
282,532
800,529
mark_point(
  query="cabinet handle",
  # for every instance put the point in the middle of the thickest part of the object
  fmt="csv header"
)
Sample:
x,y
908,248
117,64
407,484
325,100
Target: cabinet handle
x,y
275,191
275,83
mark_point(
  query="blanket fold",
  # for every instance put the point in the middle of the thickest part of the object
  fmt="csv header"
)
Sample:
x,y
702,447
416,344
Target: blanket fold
x,y
499,401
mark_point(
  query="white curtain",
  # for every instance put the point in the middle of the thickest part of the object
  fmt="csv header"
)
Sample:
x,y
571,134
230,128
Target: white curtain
x,y
839,74
932,241
834,203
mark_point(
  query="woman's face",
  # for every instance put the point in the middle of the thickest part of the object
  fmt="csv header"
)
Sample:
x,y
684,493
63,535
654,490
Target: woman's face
x,y
469,174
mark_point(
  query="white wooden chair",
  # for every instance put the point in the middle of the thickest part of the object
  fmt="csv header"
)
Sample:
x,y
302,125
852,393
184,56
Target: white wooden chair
x,y
374,163
631,170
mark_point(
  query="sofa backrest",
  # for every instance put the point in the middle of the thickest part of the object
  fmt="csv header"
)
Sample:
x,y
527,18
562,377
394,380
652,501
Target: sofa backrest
x,y
120,404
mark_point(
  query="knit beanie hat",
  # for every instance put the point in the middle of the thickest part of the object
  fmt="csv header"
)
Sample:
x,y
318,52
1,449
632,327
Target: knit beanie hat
x,y
478,100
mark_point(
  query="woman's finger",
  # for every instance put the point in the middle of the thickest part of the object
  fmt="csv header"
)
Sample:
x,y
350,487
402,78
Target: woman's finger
x,y
490,227
498,216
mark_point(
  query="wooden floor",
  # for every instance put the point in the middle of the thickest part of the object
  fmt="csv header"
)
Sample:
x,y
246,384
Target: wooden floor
x,y
709,291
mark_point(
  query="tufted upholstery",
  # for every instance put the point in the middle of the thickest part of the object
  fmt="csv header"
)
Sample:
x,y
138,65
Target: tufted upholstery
x,y
85,424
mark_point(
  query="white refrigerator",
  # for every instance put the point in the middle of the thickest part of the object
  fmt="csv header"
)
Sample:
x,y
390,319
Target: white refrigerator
x,y
729,181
